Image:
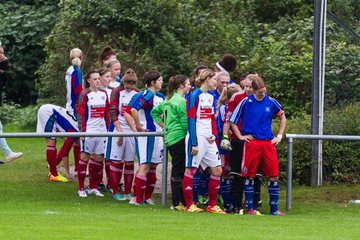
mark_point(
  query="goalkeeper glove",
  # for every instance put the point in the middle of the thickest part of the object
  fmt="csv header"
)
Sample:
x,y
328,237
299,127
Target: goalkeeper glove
x,y
225,143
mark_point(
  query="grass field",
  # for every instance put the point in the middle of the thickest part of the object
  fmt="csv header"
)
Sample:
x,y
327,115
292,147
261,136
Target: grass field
x,y
31,207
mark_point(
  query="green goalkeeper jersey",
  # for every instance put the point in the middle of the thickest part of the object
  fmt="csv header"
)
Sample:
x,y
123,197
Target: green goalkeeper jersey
x,y
174,117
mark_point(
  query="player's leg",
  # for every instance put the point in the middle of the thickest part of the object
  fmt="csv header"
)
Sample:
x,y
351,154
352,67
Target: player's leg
x,y
251,159
237,180
270,167
81,171
96,165
257,190
177,152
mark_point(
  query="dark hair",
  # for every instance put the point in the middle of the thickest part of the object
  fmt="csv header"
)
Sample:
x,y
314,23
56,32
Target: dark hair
x,y
196,73
207,73
258,82
88,76
174,83
103,71
228,62
151,76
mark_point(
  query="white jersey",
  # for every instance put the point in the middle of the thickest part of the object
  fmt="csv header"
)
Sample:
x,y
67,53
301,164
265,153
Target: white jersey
x,y
119,102
114,84
74,87
52,118
93,111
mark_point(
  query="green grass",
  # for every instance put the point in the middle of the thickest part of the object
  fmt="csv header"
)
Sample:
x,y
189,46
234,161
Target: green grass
x,y
31,207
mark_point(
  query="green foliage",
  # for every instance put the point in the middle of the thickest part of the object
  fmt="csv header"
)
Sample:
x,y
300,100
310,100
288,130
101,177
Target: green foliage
x,y
23,117
340,158
22,29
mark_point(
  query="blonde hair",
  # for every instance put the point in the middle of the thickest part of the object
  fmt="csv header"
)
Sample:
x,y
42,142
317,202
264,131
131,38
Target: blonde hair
x,y
75,56
227,93
108,63
206,73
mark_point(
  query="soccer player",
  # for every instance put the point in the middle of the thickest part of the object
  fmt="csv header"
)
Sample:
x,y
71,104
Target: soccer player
x,y
201,149
114,66
106,53
120,151
256,113
225,185
236,151
74,87
51,118
93,114
149,150
171,115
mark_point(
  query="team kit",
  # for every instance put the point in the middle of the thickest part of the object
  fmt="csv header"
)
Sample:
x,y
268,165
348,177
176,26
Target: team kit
x,y
218,134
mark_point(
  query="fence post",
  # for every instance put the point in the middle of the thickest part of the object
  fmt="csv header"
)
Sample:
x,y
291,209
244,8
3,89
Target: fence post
x,y
164,176
289,174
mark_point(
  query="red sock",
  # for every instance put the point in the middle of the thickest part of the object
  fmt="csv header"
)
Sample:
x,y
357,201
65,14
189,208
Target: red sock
x,y
139,187
51,159
214,186
64,150
115,175
128,177
187,187
107,172
77,154
95,169
81,171
150,184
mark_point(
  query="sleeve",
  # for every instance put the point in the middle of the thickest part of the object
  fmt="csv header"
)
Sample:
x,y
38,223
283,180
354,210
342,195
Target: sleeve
x,y
76,86
221,118
213,119
157,111
82,111
107,112
131,103
192,105
114,105
237,113
277,108
183,115
143,98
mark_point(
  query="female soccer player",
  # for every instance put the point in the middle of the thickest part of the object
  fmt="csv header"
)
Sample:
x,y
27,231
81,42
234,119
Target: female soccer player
x,y
149,150
174,122
201,149
74,87
225,186
121,150
93,114
256,113
114,66
53,118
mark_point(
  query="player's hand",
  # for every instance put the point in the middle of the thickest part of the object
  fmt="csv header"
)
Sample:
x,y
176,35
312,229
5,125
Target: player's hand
x,y
194,151
225,144
247,138
276,141
69,176
211,139
141,129
120,141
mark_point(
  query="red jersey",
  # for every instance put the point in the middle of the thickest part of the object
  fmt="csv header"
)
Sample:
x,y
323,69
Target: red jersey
x,y
234,101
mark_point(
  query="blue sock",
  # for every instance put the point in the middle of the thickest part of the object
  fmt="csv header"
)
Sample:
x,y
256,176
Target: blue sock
x,y
249,193
225,189
204,184
196,184
274,193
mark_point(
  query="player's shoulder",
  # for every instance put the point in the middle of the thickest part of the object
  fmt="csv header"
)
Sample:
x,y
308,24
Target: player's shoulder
x,y
160,95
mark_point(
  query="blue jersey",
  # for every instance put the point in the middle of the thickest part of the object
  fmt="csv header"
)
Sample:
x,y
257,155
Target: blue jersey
x,y
144,102
256,116
216,95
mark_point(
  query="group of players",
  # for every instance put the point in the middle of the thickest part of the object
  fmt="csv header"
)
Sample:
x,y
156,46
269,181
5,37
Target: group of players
x,y
197,117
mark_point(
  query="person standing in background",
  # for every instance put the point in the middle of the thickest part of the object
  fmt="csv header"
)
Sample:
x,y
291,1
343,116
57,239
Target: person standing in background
x,y
4,65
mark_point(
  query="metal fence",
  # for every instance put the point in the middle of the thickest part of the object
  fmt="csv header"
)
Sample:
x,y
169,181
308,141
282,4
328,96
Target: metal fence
x,y
104,134
290,140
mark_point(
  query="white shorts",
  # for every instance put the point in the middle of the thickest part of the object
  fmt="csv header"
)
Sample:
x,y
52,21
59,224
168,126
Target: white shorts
x,y
93,145
149,150
114,152
52,118
208,155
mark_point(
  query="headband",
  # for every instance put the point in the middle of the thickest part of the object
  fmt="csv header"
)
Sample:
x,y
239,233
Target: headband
x,y
221,68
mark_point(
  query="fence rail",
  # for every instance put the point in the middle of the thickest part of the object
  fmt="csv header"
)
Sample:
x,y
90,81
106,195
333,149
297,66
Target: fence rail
x,y
290,141
104,134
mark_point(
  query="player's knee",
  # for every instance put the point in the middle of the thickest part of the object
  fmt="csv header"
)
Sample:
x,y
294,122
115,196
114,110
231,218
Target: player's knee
x,y
216,171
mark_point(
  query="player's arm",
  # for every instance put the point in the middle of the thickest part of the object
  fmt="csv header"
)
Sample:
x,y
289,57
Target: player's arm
x,y
156,113
234,121
276,140
82,110
114,109
192,105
